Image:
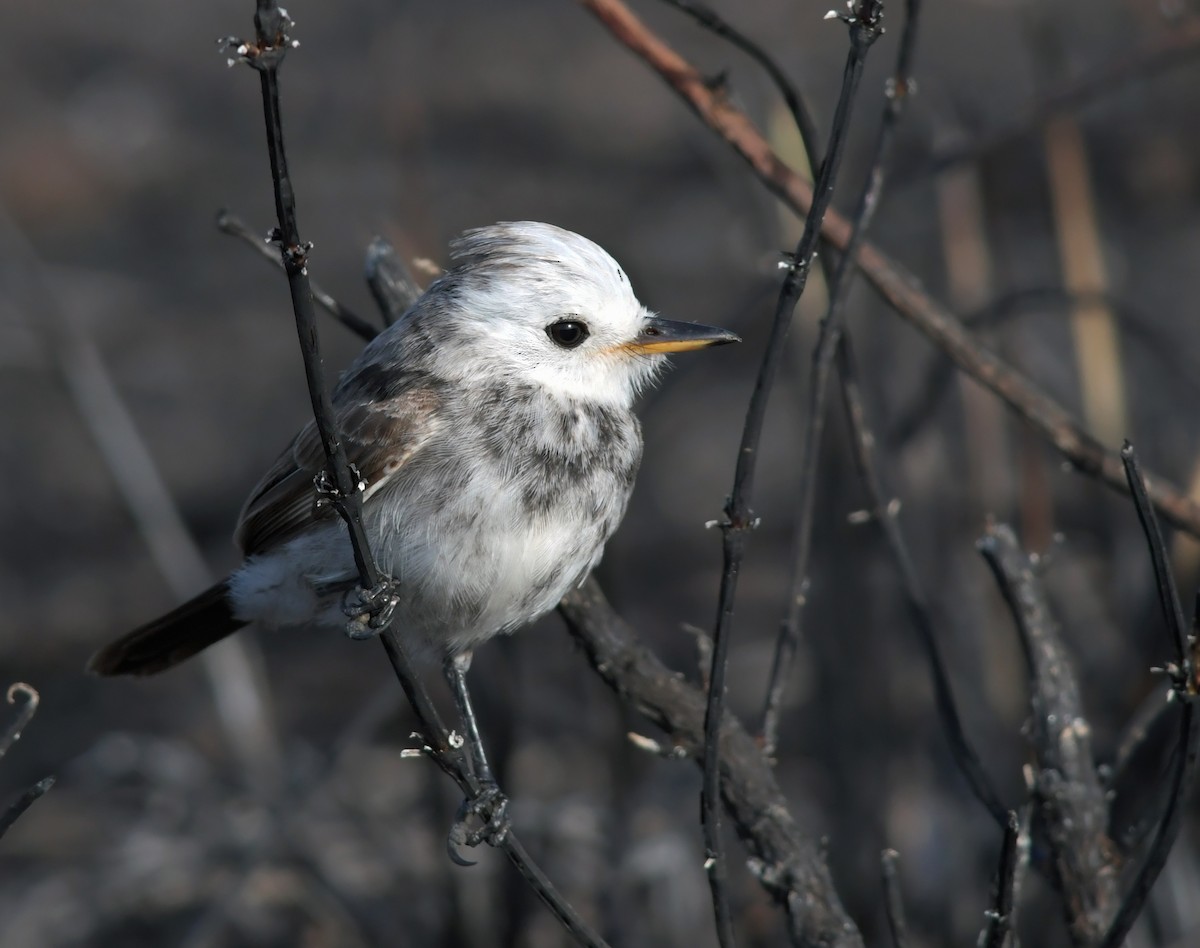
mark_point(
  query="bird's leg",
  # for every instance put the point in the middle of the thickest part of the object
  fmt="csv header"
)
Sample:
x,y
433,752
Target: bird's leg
x,y
456,668
489,804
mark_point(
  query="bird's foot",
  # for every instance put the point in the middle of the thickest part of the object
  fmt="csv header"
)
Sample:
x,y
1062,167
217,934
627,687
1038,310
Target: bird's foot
x,y
490,808
370,610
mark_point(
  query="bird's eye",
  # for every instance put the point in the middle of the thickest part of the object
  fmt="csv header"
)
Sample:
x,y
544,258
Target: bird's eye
x,y
567,333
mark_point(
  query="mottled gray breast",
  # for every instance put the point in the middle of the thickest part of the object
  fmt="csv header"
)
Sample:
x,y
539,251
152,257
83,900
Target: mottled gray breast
x,y
508,508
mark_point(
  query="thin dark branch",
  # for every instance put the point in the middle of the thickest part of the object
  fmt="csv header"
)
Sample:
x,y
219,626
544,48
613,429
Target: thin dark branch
x,y
789,864
828,342
864,27
893,901
1144,723
885,515
801,116
265,54
12,733
1182,675
1178,45
28,798
785,645
896,285
390,281
999,916
1070,800
234,226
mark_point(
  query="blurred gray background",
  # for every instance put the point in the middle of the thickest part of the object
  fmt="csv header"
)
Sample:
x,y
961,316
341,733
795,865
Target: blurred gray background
x,y
177,820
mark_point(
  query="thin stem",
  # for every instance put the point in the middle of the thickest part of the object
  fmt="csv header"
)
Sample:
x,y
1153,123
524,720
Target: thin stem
x,y
28,798
712,21
898,287
999,916
828,341
788,863
1182,675
234,226
265,55
885,515
1168,595
864,30
893,901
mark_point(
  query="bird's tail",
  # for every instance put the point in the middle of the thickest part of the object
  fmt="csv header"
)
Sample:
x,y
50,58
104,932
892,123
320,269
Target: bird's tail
x,y
170,639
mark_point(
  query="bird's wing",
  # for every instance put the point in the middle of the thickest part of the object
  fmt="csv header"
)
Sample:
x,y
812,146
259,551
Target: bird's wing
x,y
380,436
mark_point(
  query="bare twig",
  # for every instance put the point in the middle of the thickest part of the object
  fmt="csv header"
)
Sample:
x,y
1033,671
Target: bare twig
x,y
1182,675
893,900
789,865
1137,731
829,341
265,54
863,21
885,515
28,798
801,116
897,286
999,916
1069,797
884,512
11,735
234,226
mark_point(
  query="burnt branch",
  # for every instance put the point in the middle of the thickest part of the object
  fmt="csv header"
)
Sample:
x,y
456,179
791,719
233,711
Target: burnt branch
x,y
884,511
895,284
893,901
829,340
885,514
863,21
265,55
12,734
801,116
234,226
1182,675
1000,915
789,864
15,810
1070,804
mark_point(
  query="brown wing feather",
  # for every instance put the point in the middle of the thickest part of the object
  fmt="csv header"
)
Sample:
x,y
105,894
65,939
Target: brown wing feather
x,y
379,435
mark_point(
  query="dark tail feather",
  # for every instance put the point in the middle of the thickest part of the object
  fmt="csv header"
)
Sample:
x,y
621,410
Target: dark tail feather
x,y
168,640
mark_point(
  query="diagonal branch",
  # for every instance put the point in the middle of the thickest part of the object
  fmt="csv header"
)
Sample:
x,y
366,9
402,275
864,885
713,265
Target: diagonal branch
x,y
1069,799
1182,675
895,284
265,54
863,21
829,341
789,865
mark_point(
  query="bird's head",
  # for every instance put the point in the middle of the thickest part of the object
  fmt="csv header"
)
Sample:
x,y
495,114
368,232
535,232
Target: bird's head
x,y
545,306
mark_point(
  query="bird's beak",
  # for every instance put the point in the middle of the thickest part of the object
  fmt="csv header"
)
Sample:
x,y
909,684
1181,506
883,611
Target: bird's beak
x,y
660,336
